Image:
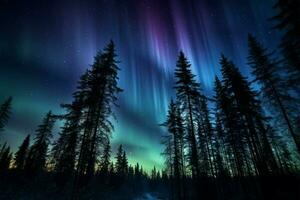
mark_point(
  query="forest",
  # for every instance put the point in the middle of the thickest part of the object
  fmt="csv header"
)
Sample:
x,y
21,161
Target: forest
x,y
241,143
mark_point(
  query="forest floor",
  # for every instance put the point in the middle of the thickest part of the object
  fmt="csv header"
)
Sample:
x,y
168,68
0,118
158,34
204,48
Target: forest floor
x,y
148,196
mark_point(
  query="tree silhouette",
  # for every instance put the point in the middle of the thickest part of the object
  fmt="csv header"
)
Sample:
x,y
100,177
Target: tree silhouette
x,y
175,129
65,149
222,163
105,159
121,163
187,90
251,118
36,160
22,153
5,111
124,164
5,158
287,21
205,133
99,88
264,70
229,117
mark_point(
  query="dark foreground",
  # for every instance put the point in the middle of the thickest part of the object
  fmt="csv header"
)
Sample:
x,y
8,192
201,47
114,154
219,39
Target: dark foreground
x,y
21,186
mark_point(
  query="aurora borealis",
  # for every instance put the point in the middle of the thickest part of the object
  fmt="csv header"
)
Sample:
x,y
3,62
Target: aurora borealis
x,y
46,46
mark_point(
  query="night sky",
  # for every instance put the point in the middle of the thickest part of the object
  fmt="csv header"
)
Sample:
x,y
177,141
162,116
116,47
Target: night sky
x,y
46,46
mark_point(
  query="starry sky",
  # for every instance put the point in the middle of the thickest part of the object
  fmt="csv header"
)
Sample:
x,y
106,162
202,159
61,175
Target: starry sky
x,y
46,45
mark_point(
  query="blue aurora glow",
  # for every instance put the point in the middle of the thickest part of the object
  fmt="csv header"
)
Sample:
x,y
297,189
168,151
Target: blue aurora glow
x,y
44,47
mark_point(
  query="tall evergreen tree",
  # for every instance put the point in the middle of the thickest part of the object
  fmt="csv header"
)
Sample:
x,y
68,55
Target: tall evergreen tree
x,y
3,147
36,160
105,159
175,129
230,120
5,159
5,111
22,153
64,150
124,164
288,21
205,133
251,118
181,142
187,90
222,164
99,88
168,152
119,161
264,70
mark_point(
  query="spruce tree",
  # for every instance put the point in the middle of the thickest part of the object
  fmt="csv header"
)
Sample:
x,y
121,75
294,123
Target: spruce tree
x,y
229,117
251,117
36,160
264,71
187,90
22,153
64,149
174,125
181,140
168,152
205,133
124,164
220,148
3,148
153,173
111,169
5,159
119,161
105,159
5,111
99,88
288,22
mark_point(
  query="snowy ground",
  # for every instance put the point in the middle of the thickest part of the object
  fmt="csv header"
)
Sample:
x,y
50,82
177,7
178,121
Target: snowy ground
x,y
148,196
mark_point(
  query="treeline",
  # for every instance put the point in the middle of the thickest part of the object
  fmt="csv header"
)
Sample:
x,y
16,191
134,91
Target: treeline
x,y
78,164
248,133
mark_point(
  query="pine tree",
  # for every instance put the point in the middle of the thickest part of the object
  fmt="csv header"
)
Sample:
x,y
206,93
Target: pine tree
x,y
5,111
137,170
105,158
205,133
175,129
99,88
252,120
5,159
168,152
124,164
264,70
288,21
222,162
111,169
187,90
119,161
36,160
64,150
153,173
230,120
3,147
181,141
22,153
